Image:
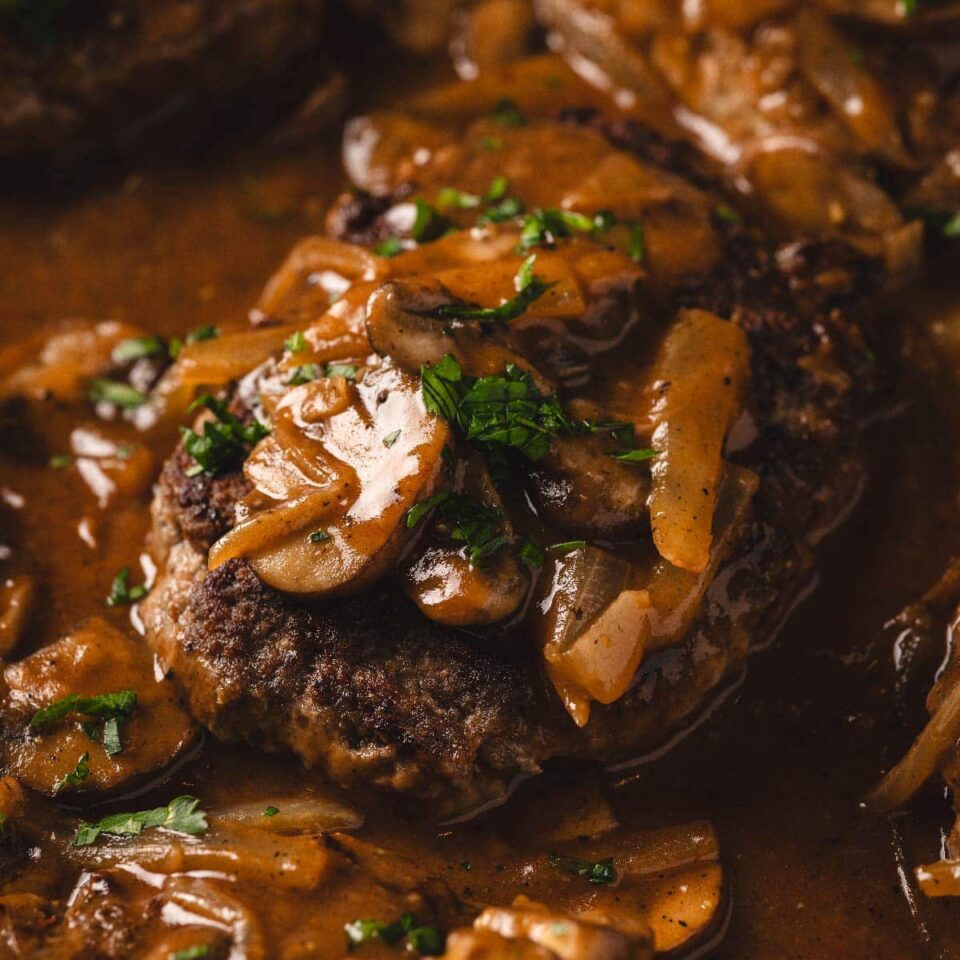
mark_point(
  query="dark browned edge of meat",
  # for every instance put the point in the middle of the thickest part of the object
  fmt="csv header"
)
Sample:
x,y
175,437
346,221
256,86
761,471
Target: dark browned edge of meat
x,y
377,695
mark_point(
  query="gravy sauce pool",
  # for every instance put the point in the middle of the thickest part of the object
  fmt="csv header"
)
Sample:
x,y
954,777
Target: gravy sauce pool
x,y
779,769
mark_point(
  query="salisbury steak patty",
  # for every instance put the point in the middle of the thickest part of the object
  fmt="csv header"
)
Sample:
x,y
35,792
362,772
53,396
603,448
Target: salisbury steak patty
x,y
368,681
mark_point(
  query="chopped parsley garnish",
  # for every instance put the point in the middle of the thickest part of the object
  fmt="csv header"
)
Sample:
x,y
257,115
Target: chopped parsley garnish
x,y
637,244
529,287
428,224
3,824
478,527
180,815
507,209
391,438
497,189
453,199
319,536
427,941
105,706
567,546
346,370
60,460
112,744
635,456
121,593
119,394
491,143
304,374
497,413
197,952
207,332
596,871
111,708
545,227
532,553
136,349
296,342
270,811
951,229
507,113
910,7
389,247
76,776
224,441
726,214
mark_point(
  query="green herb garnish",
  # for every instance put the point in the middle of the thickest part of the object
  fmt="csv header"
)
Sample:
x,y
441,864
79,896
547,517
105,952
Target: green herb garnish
x,y
296,342
270,811
389,247
951,229
180,815
497,413
197,952
391,438
451,198
635,456
304,374
207,332
567,546
319,536
532,553
726,214
507,113
105,706
529,289
59,461
76,776
346,370
428,224
121,593
545,227
119,394
596,871
427,941
478,527
135,349
224,442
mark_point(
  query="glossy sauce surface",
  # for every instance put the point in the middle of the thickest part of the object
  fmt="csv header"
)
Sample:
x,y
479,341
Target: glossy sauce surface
x,y
779,768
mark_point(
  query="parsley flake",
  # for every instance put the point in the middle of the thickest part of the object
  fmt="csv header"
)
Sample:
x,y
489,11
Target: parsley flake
x,y
596,871
270,811
197,952
391,438
121,593
389,247
635,456
319,536
567,546
223,444
507,113
346,370
180,815
529,287
76,776
114,392
296,342
136,348
426,941
478,527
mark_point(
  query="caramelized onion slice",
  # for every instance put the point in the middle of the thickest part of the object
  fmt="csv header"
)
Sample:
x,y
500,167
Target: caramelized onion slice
x,y
301,814
923,759
701,373
383,455
565,937
940,879
595,629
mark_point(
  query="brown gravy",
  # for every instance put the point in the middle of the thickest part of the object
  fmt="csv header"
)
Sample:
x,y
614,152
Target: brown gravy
x,y
779,768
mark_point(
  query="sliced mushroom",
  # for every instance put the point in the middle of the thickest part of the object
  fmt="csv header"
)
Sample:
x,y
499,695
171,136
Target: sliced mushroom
x,y
400,327
440,577
580,488
94,659
334,482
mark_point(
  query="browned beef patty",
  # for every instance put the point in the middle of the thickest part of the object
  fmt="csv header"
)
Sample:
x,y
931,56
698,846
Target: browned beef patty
x,y
375,694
